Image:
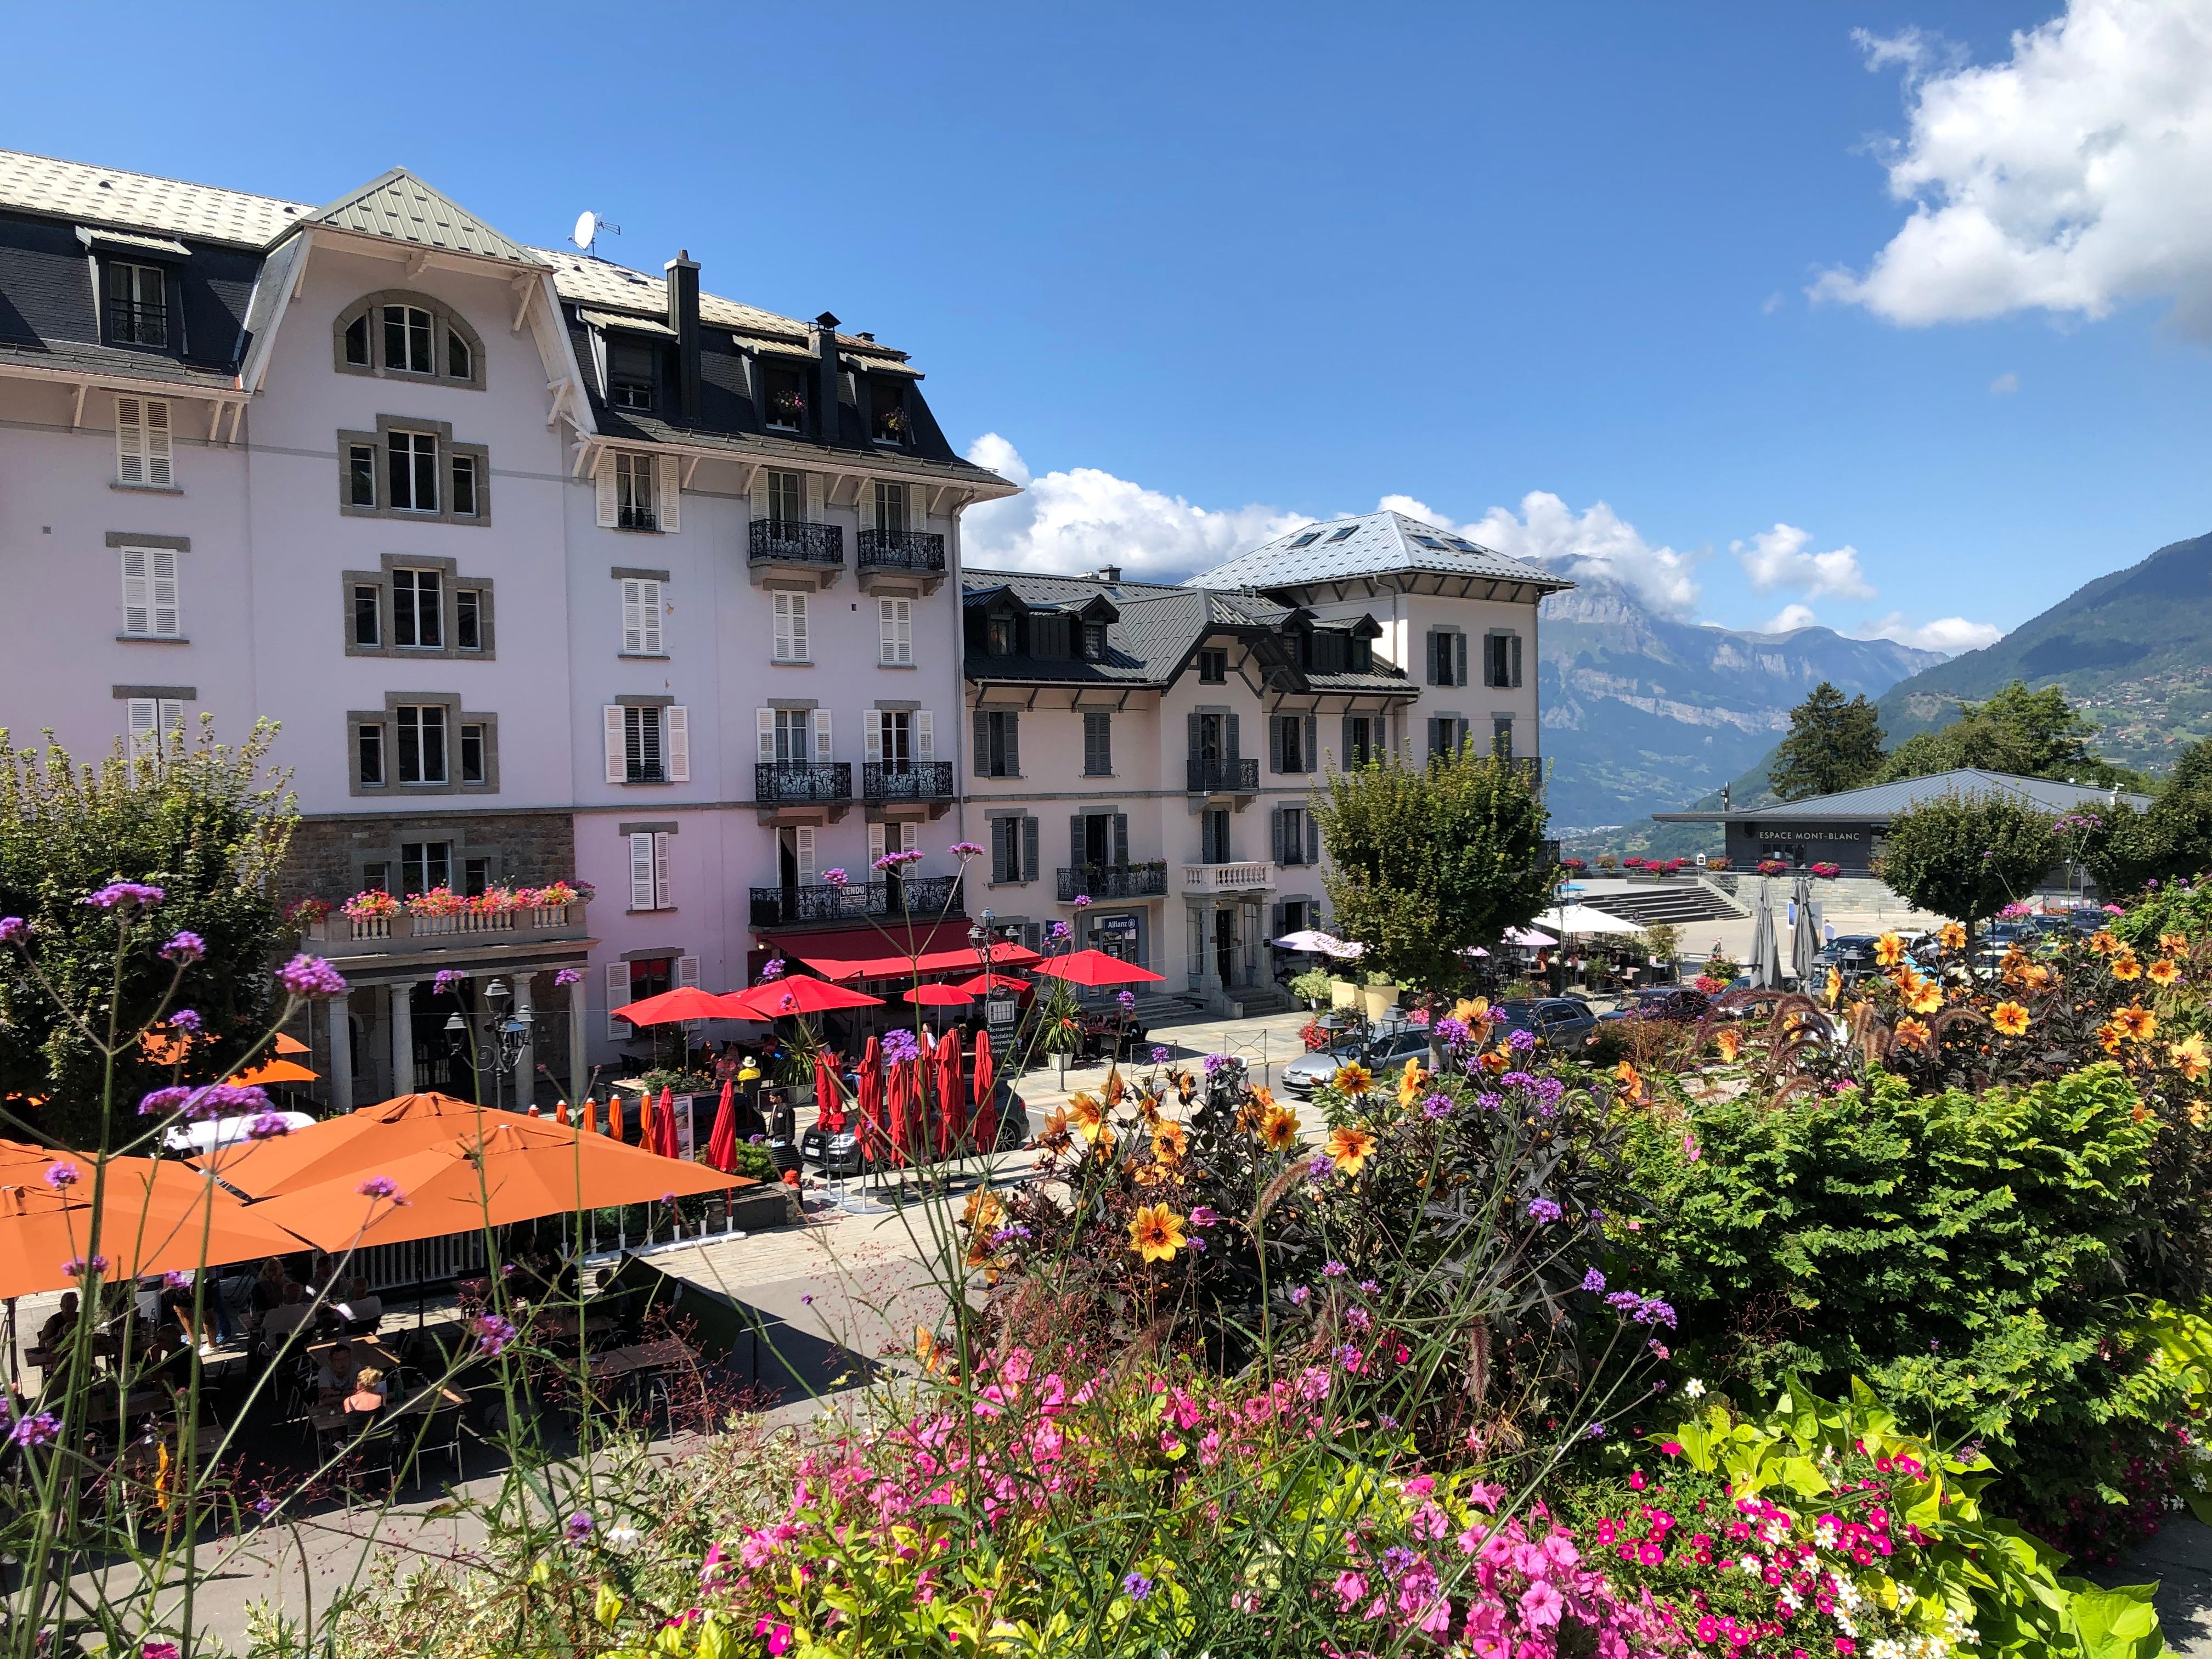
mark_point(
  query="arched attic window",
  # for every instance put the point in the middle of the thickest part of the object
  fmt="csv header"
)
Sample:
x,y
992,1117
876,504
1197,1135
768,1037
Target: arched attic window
x,y
404,335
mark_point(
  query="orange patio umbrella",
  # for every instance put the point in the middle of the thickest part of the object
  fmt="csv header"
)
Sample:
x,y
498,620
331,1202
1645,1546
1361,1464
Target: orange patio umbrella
x,y
148,1226
502,1175
275,1071
357,1143
24,1163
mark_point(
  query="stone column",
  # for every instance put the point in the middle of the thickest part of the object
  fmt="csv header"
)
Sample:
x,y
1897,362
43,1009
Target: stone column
x,y
526,1061
579,1079
403,1038
341,1055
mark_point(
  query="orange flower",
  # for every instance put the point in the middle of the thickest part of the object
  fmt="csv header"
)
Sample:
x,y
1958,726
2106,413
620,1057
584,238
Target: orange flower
x,y
1411,1082
2009,1017
1352,1079
1630,1080
1156,1232
2190,1057
2104,942
1350,1147
1729,1043
1279,1129
2163,972
1491,1061
925,1349
1470,1011
2108,1037
2126,967
1087,1115
1888,950
1925,997
2174,944
1169,1141
1914,1031
1263,1098
1954,936
2035,977
2136,1022
1835,986
1056,1125
1113,1089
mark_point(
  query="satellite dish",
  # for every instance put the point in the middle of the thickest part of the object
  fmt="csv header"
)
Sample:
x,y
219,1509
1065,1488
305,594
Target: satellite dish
x,y
587,226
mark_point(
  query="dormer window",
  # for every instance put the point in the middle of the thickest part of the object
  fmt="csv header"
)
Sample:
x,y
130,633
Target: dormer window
x,y
1094,641
1212,667
1307,539
999,635
629,375
887,408
137,305
398,332
785,409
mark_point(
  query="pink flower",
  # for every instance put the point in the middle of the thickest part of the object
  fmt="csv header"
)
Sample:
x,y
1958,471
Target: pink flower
x,y
1541,1605
380,1186
778,1633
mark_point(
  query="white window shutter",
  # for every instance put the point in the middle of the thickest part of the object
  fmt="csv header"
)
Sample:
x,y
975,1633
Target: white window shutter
x,y
767,748
924,740
875,844
687,970
872,738
173,719
760,492
144,718
131,439
660,888
676,735
823,750
798,625
652,617
603,475
157,441
137,592
617,758
620,1030
814,498
802,846
641,871
917,506
668,476
633,614
162,564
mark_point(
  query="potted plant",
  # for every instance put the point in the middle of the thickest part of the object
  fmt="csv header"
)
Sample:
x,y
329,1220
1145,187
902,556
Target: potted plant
x,y
1378,996
1310,986
1772,868
370,905
1828,871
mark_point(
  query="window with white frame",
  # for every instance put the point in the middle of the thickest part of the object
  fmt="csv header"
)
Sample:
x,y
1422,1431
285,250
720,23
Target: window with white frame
x,y
648,743
143,453
420,728
418,609
425,865
898,737
476,753
637,506
368,754
641,617
895,617
137,304
792,734
787,498
150,608
648,871
154,724
790,637
410,337
413,459
892,507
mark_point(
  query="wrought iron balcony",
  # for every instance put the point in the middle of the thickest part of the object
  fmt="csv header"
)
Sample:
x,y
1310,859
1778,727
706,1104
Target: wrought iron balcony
x,y
1230,776
1098,882
922,898
778,541
918,550
906,780
799,781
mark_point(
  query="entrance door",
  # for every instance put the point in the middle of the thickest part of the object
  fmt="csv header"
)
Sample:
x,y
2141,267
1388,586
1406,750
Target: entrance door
x,y
1224,945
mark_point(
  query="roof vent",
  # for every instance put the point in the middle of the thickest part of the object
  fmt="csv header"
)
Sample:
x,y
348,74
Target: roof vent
x,y
1107,573
865,335
828,319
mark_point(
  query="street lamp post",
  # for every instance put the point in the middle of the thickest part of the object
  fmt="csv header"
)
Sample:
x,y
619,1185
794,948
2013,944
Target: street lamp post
x,y
510,1037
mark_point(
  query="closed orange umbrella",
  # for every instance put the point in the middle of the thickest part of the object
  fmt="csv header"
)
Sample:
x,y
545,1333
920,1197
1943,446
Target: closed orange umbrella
x,y
648,1136
615,1114
591,1115
341,1146
148,1226
502,1175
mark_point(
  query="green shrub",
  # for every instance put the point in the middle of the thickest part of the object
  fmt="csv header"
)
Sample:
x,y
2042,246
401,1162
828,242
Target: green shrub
x,y
1962,1252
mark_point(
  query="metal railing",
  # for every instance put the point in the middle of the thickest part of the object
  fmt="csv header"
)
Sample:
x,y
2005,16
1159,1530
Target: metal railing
x,y
133,323
779,541
1100,881
906,780
920,551
340,935
925,898
1228,776
803,781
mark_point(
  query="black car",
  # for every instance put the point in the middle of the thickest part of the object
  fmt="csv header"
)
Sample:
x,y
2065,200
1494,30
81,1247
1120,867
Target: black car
x,y
1674,1005
1555,1022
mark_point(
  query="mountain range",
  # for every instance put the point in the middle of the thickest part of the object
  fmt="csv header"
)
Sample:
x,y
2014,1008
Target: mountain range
x,y
1641,714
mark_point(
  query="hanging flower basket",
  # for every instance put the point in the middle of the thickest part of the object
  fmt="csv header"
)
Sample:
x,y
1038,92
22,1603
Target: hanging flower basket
x,y
370,906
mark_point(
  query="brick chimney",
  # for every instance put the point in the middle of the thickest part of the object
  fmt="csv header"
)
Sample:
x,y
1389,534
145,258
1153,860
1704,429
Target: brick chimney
x,y
822,337
684,322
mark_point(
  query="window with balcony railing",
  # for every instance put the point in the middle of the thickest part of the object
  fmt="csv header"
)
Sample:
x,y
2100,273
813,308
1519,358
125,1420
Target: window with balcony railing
x,y
137,305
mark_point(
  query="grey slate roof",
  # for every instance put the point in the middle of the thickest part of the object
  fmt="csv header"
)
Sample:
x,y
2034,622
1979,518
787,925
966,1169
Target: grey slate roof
x,y
400,207
109,195
1880,802
88,357
1371,545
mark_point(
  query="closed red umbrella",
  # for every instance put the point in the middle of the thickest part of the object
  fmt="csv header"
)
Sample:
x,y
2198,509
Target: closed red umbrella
x,y
664,1124
870,1102
902,1113
951,1099
829,1101
986,1115
722,1145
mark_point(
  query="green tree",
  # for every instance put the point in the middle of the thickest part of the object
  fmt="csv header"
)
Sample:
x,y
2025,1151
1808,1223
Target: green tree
x,y
205,822
1431,861
1968,856
1833,745
2031,734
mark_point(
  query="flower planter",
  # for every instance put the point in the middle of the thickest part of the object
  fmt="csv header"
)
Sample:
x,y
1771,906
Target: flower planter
x,y
1376,1001
1343,993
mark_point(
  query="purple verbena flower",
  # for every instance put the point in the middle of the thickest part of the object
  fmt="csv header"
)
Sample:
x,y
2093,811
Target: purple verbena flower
x,y
1215,1063
1434,1107
1136,1586
447,979
1517,1080
1490,1103
177,1281
890,861
1448,1032
1127,1000
1542,1211
187,947
124,894
1082,901
1594,1281
227,1100
1300,1294
62,1176
1359,1319
964,849
1320,1167
1204,1215
269,1126
492,1332
568,976
1521,1041
578,1527
186,1020
76,1267
900,1046
1334,1269
380,1186
311,976
1057,931
1159,1056
39,1429
1596,1430
837,878
1368,1287
164,1100
772,968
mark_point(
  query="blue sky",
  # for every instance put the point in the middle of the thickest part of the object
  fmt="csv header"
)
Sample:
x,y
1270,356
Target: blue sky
x,y
1201,267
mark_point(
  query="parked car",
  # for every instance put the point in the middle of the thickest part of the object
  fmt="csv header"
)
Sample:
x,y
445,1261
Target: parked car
x,y
1390,1049
1555,1022
1674,1005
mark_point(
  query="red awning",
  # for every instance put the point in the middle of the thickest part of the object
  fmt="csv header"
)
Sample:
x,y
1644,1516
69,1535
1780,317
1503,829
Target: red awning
x,y
845,948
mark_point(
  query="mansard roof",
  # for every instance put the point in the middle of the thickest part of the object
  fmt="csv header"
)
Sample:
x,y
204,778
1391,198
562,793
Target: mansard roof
x,y
1371,545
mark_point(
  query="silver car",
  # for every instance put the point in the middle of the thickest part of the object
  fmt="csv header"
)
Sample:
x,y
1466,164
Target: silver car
x,y
1392,1048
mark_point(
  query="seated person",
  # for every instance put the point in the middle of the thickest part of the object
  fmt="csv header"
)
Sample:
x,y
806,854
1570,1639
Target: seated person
x,y
281,1320
367,1393
60,1326
268,1288
334,1370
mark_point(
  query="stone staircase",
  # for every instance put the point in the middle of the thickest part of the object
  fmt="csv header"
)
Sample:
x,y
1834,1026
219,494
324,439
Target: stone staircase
x,y
1677,899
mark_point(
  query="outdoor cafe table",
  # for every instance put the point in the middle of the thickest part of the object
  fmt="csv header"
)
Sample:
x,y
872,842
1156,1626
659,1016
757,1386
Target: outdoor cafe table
x,y
641,1357
372,1353
332,1420
562,1321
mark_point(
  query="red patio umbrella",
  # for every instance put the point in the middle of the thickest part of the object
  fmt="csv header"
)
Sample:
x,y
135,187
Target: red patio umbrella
x,y
986,1115
936,996
1096,968
903,1139
828,1103
870,1101
664,1125
984,984
722,1145
685,1002
952,1099
801,994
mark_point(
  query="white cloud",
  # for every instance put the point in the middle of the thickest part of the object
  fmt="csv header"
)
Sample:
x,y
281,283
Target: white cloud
x,y
1949,634
2065,178
1596,541
2005,384
1083,517
1777,558
1790,620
